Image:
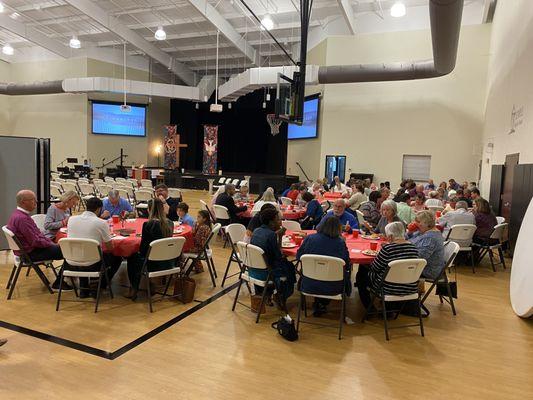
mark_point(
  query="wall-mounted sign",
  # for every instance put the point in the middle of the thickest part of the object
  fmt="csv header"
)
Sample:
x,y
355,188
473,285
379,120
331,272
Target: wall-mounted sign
x,y
517,118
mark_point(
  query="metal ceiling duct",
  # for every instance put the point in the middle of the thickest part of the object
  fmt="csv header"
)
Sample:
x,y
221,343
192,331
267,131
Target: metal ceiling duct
x,y
22,89
445,18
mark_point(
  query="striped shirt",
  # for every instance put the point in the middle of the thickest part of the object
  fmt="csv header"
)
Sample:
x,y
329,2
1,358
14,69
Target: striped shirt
x,y
391,252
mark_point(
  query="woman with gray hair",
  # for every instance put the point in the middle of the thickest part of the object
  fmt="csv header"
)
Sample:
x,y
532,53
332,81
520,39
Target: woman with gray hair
x,y
389,214
372,276
58,214
430,244
268,197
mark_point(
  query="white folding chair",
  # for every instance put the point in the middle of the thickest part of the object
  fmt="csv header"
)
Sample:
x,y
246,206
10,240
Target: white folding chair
x,y
286,201
83,180
221,182
253,257
70,186
103,189
494,243
228,181
23,260
235,233
142,197
243,183
174,193
146,183
325,270
223,218
291,225
360,219
326,205
462,234
451,249
434,209
87,191
109,179
235,182
205,254
39,221
120,179
500,220
80,253
400,272
168,249
204,206
133,182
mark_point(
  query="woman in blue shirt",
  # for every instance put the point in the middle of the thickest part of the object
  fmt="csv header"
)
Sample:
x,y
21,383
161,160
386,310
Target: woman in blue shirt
x,y
326,242
313,213
430,244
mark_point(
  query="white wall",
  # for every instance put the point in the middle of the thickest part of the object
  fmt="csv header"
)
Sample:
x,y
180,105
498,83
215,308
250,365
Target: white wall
x,y
375,124
510,83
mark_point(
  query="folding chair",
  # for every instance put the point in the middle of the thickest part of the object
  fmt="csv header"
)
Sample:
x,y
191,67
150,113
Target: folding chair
x,y
146,183
55,193
286,201
82,253
109,179
360,218
324,270
434,209
494,243
204,206
168,249
219,183
222,217
462,234
399,272
174,193
500,220
205,254
236,233
253,257
23,260
142,197
291,225
235,182
451,249
39,221
326,205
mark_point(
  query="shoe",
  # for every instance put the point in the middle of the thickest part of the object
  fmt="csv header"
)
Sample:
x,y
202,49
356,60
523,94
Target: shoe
x,y
319,309
2,342
84,294
132,294
64,288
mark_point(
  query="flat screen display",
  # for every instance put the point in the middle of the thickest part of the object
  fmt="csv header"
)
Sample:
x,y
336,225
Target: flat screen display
x,y
109,119
309,128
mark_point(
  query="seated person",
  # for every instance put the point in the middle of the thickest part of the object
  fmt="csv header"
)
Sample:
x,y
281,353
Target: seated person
x,y
348,221
370,209
183,216
58,214
372,276
313,212
267,198
452,185
243,194
255,222
485,221
389,214
201,232
293,193
338,187
433,200
460,215
405,212
157,227
450,206
170,204
286,191
219,191
384,195
115,205
474,194
88,226
299,200
266,237
356,199
327,242
430,185
226,199
429,243
464,195
419,203
34,243
317,189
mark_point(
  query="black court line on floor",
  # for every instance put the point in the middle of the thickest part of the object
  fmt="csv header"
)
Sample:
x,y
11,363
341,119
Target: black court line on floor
x,y
124,349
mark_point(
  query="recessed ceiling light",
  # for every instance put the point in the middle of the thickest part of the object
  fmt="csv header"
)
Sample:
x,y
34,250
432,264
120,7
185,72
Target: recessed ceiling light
x,y
160,34
74,42
8,50
15,15
398,9
1,8
267,23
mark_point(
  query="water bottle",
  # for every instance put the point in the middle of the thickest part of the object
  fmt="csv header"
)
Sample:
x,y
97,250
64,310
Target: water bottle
x,y
110,224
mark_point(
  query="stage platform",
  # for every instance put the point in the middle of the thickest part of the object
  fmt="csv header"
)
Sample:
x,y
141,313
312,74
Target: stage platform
x,y
258,182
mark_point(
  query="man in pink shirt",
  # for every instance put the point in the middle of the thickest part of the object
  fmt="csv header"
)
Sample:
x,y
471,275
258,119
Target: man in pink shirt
x,y
36,245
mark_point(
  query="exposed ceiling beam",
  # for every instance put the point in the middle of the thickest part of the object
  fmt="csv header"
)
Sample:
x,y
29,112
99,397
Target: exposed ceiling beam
x,y
348,14
34,36
489,7
100,15
219,22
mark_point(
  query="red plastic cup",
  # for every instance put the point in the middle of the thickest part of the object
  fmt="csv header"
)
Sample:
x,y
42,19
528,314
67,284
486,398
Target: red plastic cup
x,y
373,246
116,219
438,213
298,240
355,233
291,207
412,227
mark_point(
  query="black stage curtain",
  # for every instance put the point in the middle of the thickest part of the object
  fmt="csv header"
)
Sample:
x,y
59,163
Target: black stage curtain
x,y
245,143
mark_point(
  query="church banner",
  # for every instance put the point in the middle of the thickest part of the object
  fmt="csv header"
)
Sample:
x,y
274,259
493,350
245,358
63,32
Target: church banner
x,y
210,149
170,146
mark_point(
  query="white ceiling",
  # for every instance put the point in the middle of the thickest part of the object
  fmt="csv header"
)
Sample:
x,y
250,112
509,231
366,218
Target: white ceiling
x,y
42,29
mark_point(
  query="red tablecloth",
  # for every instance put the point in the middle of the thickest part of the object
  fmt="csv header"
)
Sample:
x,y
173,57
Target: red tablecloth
x,y
355,247
332,196
130,244
287,214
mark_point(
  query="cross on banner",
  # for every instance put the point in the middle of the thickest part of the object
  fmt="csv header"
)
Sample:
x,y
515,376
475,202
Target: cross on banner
x,y
172,147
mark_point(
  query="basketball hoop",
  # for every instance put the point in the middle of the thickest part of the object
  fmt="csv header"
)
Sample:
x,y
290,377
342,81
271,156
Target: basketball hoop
x,y
274,122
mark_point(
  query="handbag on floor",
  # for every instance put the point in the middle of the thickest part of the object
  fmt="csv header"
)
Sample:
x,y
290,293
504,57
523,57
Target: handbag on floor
x,y
255,302
441,290
184,288
285,327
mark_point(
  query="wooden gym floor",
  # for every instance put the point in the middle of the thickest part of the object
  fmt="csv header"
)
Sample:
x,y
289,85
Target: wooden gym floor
x,y
204,351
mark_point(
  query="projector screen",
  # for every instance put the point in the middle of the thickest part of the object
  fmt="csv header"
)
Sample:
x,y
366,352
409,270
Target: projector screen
x,y
109,119
309,128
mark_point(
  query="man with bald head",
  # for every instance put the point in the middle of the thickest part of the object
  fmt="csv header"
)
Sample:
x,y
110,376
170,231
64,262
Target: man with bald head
x,y
348,221
32,240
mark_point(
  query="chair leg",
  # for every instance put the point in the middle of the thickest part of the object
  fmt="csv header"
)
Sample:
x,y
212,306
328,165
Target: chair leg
x,y
149,294
60,289
43,277
213,266
14,282
74,286
502,260
491,257
385,323
450,297
420,318
11,276
168,284
263,297
98,290
367,310
108,282
473,261
341,318
227,269
28,272
302,298
237,294
211,273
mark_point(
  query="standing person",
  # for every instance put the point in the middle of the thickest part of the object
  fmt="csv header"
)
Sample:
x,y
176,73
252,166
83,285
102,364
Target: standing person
x,y
226,199
201,233
58,214
34,243
87,225
169,203
157,227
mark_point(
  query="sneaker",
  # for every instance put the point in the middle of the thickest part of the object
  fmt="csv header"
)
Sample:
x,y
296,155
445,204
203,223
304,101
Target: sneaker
x,y
65,287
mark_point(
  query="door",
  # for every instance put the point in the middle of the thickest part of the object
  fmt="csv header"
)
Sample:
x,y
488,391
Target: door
x,y
335,166
511,160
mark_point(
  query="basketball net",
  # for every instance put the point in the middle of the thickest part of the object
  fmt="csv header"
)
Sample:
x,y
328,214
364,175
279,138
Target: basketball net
x,y
274,122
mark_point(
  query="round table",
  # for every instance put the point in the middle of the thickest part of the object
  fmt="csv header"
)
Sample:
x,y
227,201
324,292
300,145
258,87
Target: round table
x,y
294,214
332,196
125,246
355,248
